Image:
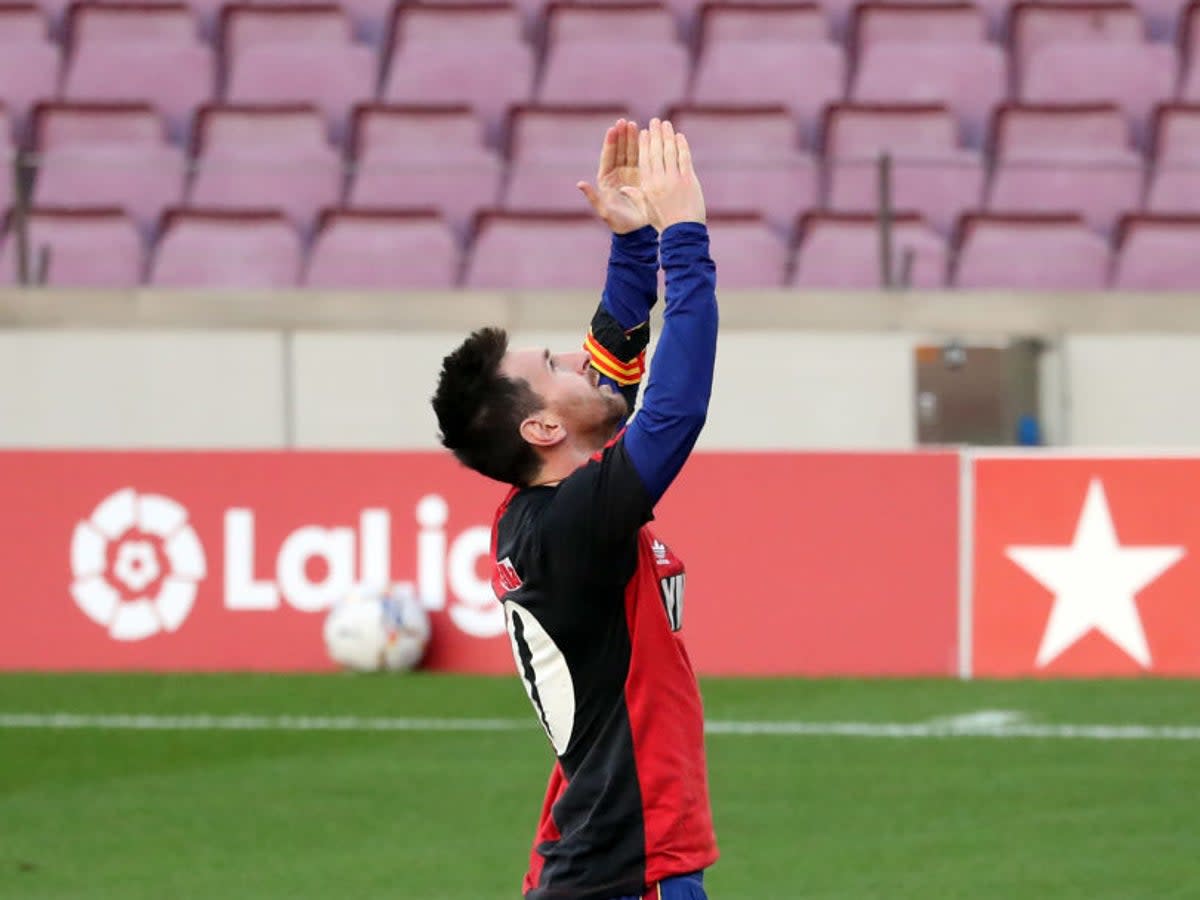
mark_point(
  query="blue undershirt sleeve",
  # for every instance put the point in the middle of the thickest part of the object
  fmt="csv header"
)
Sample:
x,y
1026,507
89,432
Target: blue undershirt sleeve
x,y
662,434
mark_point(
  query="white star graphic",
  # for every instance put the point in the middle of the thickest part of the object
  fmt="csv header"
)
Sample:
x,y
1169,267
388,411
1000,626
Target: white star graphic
x,y
1094,581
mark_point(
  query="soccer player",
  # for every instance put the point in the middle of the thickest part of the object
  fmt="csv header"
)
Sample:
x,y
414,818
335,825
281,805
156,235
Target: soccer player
x,y
593,599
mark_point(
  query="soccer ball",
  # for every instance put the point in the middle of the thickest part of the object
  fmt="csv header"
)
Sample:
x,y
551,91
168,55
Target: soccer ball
x,y
377,632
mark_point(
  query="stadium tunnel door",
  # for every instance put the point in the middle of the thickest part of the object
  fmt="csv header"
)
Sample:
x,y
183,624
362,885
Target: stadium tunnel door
x,y
979,393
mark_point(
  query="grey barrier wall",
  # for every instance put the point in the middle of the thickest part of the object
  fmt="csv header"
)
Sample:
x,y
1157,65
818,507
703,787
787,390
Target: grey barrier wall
x,y
158,369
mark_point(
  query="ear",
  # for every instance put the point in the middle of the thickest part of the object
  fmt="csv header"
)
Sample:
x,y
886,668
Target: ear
x,y
543,430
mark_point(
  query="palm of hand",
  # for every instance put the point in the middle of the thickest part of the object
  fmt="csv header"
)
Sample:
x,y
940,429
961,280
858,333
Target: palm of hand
x,y
622,212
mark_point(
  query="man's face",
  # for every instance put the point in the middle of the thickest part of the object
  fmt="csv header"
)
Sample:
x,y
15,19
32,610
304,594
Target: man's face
x,y
588,412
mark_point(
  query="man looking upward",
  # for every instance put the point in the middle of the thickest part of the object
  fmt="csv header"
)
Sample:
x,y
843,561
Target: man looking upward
x,y
593,600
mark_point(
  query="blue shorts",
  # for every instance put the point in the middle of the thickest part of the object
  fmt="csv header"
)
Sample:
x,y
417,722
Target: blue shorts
x,y
682,887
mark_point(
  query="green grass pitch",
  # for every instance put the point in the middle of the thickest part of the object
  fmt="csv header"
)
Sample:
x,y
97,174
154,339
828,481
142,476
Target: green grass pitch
x,y
94,814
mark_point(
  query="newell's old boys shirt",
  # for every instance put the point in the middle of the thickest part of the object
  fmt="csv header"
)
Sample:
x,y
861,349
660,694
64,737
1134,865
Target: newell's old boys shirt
x,y
594,604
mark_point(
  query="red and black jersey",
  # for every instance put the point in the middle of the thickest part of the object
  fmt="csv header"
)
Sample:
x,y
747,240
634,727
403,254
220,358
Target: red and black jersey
x,y
593,602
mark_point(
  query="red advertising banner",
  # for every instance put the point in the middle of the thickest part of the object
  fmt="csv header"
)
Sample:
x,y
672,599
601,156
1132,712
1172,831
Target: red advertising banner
x,y
1086,566
796,563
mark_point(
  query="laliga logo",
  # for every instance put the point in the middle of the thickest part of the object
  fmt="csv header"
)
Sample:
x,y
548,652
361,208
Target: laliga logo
x,y
136,564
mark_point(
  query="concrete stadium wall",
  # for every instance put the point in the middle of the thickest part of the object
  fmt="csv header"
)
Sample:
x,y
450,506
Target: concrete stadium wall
x,y
794,371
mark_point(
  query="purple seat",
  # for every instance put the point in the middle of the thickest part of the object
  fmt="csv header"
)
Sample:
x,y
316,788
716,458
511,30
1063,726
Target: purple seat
x,y
1189,51
1175,185
1064,159
552,148
369,18
7,151
1090,53
296,54
383,250
139,52
776,54
93,248
931,174
929,53
1158,253
107,155
752,254
221,249
1035,252
842,251
471,53
538,251
426,156
614,54
751,160
252,157
28,61
1165,19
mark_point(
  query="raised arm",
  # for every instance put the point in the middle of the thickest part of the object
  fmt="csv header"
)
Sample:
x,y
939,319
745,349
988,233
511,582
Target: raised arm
x,y
676,403
620,329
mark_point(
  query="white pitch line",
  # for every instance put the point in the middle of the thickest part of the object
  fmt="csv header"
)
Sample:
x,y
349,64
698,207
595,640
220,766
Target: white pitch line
x,y
892,730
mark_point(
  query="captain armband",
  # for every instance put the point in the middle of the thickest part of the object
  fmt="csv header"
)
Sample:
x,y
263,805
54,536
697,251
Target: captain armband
x,y
615,352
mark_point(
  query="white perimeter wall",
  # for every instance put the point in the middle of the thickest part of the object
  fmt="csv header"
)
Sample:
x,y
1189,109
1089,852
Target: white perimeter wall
x,y
793,371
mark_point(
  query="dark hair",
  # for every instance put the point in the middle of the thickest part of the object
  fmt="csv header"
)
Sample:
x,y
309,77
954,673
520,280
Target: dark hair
x,y
479,410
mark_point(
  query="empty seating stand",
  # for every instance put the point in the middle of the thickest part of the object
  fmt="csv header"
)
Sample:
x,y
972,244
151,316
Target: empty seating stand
x,y
265,157
423,156
383,250
618,54
1065,158
928,53
843,251
1030,252
551,148
751,158
104,155
139,52
467,53
1158,253
754,54
538,251
84,248
226,250
930,173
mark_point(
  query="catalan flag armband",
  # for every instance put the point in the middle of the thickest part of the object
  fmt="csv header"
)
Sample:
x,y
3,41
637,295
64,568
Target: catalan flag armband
x,y
616,353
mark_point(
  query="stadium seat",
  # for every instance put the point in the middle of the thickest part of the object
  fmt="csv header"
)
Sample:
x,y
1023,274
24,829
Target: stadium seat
x,y
1090,53
1046,252
296,54
383,250
929,53
264,157
423,156
538,251
1175,185
617,54
1164,18
1189,51
841,251
93,248
7,154
551,148
768,54
139,52
751,253
1071,158
226,250
106,155
369,18
751,160
1157,253
469,53
931,174
29,62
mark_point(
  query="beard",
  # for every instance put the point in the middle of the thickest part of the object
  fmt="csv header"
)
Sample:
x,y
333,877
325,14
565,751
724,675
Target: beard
x,y
601,422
